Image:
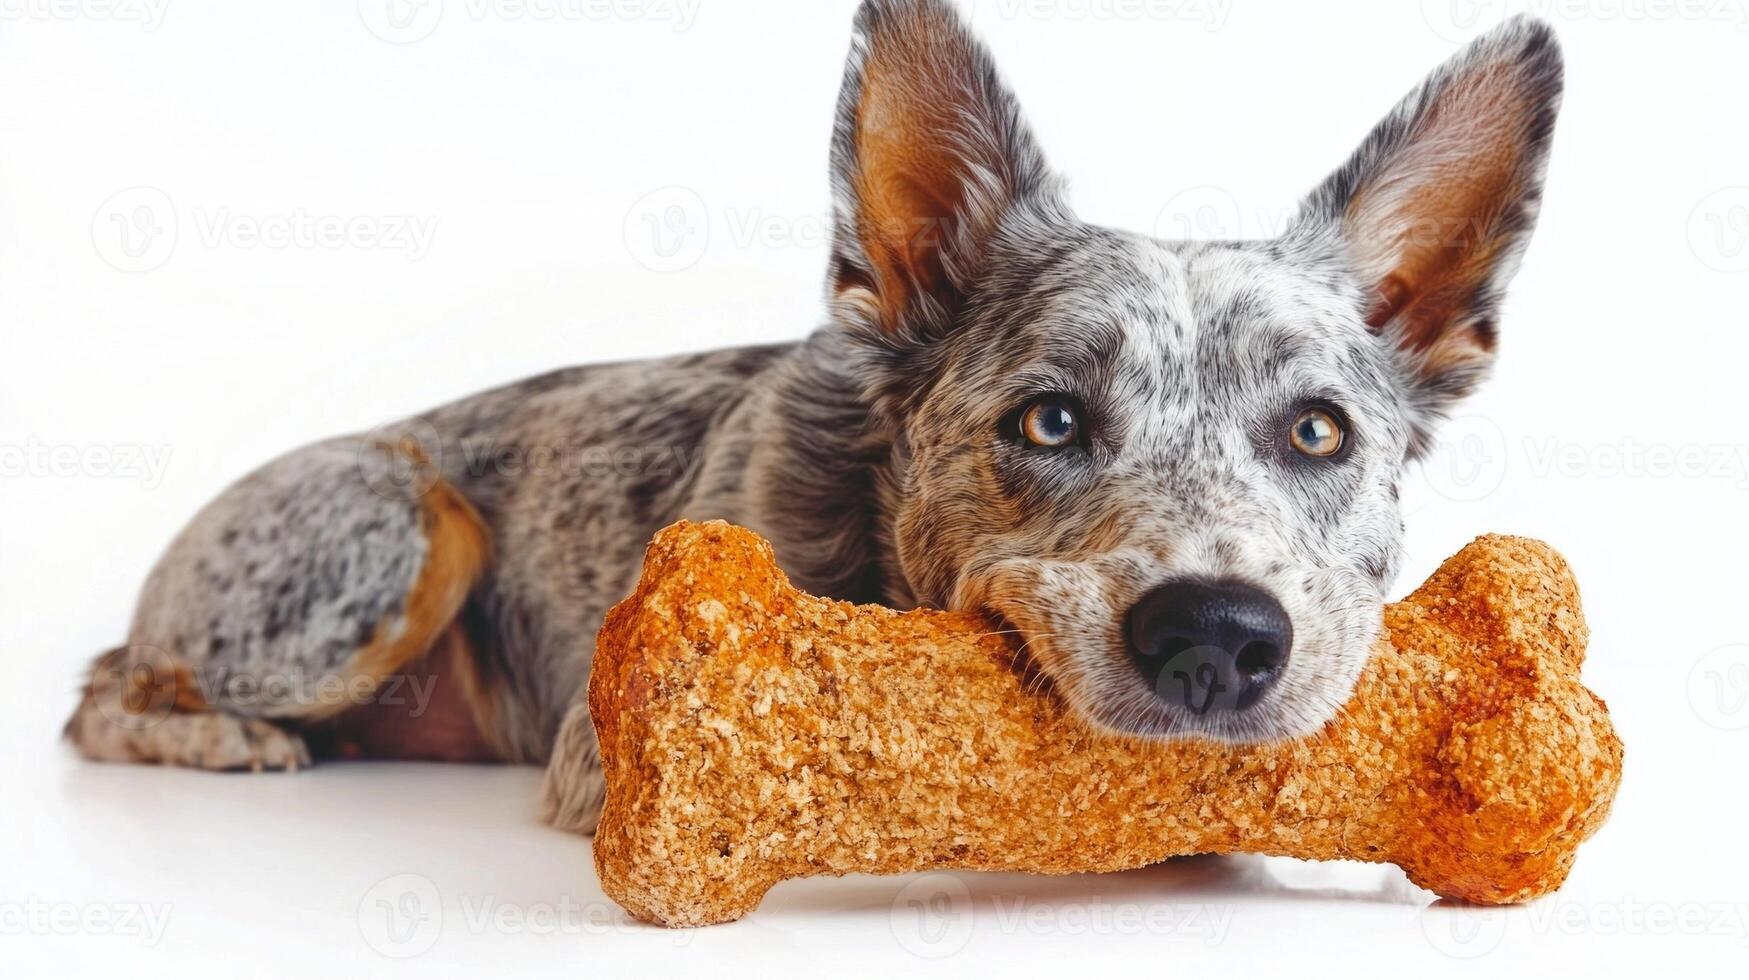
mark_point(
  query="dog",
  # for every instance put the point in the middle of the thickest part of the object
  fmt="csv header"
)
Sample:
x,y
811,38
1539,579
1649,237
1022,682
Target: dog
x,y
1171,467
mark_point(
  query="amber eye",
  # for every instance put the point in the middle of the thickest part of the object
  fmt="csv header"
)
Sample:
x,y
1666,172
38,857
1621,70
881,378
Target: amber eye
x,y
1316,432
1050,422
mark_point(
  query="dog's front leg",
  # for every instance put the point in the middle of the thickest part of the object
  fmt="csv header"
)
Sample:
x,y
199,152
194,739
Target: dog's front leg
x,y
573,791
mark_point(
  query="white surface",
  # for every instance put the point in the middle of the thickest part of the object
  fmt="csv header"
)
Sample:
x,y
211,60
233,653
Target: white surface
x,y
127,398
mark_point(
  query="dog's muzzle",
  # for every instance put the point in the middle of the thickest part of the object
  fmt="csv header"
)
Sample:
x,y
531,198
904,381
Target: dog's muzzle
x,y
1209,647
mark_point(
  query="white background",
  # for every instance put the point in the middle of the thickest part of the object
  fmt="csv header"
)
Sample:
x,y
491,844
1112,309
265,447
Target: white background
x,y
539,154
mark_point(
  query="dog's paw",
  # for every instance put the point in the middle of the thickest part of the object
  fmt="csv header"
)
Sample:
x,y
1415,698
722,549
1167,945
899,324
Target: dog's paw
x,y
227,743
198,740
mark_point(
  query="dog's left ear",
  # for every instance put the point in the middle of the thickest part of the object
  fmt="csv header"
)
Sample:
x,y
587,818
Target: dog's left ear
x,y
1435,208
929,157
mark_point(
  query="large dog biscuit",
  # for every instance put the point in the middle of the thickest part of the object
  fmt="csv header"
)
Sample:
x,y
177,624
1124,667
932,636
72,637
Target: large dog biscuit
x,y
752,733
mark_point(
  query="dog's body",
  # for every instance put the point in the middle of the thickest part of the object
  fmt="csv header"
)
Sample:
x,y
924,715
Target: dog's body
x,y
1008,409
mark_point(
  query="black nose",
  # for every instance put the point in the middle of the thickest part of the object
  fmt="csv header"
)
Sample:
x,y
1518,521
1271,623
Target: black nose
x,y
1209,646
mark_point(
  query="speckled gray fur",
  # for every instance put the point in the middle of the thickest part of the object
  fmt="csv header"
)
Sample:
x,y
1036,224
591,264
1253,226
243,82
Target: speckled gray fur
x,y
290,570
874,455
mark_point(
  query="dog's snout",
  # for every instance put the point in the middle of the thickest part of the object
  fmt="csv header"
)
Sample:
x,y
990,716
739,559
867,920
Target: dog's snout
x,y
1209,646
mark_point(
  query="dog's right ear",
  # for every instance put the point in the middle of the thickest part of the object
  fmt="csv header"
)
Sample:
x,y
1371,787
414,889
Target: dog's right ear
x,y
929,157
1435,208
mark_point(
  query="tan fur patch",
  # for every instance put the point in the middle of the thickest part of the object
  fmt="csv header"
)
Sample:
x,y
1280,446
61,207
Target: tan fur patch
x,y
141,681
1431,234
458,547
920,92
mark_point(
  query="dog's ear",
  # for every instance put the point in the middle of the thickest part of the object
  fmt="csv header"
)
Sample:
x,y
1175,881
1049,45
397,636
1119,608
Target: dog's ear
x,y
929,157
1435,208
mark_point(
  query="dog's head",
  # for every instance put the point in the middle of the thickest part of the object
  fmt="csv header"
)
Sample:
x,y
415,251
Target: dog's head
x,y
1171,466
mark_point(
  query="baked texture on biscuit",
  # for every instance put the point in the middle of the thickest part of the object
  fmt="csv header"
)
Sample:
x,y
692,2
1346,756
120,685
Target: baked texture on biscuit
x,y
752,733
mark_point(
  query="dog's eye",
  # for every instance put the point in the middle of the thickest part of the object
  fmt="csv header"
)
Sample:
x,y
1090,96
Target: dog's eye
x,y
1050,422
1316,432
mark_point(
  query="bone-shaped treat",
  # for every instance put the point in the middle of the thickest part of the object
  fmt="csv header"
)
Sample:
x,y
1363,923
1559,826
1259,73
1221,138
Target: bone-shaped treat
x,y
752,733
